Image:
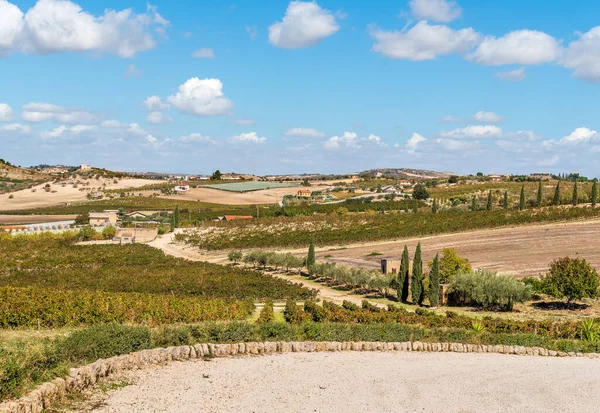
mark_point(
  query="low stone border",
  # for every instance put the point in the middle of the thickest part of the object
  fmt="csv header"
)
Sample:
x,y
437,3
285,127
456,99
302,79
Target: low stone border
x,y
83,377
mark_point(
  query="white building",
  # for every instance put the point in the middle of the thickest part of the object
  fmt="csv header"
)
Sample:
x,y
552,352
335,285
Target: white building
x,y
85,167
181,189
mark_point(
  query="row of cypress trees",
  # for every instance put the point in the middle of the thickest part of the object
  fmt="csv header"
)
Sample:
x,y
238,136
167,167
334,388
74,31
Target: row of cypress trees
x,y
413,284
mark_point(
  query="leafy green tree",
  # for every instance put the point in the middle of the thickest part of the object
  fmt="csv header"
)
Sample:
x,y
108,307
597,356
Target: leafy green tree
x,y
434,282
417,277
82,219
594,193
450,263
453,179
235,256
575,195
488,206
403,277
216,176
556,200
571,278
87,233
522,198
540,195
420,192
311,259
505,203
109,232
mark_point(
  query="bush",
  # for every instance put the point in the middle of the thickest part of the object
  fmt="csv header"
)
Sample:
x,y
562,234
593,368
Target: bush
x,y
266,314
87,233
103,341
235,256
571,278
451,263
488,290
109,232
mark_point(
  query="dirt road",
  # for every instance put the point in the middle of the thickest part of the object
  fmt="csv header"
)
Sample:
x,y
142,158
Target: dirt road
x,y
365,382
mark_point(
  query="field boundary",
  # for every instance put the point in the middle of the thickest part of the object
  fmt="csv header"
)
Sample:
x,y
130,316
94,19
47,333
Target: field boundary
x,y
79,379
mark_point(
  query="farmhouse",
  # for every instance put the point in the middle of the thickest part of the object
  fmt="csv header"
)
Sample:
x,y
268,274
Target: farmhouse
x,y
391,190
85,167
124,238
101,219
304,193
136,214
405,182
390,266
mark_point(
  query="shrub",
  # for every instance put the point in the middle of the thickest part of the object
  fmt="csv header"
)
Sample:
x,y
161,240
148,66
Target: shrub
x,y
292,313
87,233
109,232
266,314
235,256
450,263
488,289
103,341
571,278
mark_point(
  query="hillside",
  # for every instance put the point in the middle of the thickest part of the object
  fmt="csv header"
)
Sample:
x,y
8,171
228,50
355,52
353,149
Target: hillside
x,y
13,178
408,173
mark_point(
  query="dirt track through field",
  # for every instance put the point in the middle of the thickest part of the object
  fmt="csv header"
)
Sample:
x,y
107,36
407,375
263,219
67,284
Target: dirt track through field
x,y
365,382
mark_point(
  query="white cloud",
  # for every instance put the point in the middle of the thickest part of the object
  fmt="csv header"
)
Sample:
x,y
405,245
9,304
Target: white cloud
x,y
6,112
154,103
524,47
436,10
454,145
158,118
553,161
65,132
376,139
304,24
583,55
201,98
204,53
512,75
349,139
53,26
40,112
449,119
423,41
304,133
252,32
245,122
474,132
196,138
133,71
250,137
487,117
112,124
580,135
15,127
413,143
136,129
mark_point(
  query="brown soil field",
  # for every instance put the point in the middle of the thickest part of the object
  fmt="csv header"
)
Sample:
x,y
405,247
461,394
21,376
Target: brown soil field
x,y
33,219
59,194
217,196
520,251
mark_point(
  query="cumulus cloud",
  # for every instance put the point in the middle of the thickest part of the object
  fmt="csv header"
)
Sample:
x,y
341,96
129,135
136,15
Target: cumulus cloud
x,y
250,137
304,25
512,75
454,144
423,41
111,124
67,133
196,138
158,118
201,98
6,113
15,127
348,139
580,135
474,132
487,117
376,140
436,10
524,47
204,53
583,55
449,119
304,133
413,143
53,26
40,112
135,129
154,103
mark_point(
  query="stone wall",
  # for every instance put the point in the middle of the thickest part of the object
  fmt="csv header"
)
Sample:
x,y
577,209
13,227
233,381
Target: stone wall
x,y
83,377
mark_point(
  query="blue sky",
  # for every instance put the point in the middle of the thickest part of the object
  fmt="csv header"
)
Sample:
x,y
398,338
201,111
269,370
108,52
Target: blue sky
x,y
290,87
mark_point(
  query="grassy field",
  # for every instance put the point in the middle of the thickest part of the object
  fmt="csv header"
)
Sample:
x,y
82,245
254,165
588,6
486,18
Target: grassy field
x,y
248,186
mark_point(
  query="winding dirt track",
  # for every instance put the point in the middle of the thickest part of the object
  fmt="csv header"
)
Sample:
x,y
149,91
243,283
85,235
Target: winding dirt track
x,y
365,382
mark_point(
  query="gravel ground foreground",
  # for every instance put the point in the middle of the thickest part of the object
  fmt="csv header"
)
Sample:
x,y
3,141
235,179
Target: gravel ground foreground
x,y
365,382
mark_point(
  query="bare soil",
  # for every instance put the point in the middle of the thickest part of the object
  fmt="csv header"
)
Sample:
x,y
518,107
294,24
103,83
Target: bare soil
x,y
364,382
33,219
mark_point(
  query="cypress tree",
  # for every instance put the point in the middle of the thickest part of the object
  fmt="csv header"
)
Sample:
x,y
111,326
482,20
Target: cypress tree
x,y
575,195
522,199
417,277
175,218
416,207
489,201
539,195
310,259
556,200
505,203
434,206
434,282
594,193
403,280
474,203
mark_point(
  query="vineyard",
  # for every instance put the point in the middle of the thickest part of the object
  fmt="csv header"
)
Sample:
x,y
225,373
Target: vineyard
x,y
48,279
283,232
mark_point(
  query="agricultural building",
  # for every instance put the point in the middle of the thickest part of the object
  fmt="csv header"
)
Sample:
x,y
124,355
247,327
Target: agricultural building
x,y
304,193
102,219
228,218
390,266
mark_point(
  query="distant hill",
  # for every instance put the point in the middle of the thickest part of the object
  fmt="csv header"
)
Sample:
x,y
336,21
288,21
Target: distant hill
x,y
9,171
408,173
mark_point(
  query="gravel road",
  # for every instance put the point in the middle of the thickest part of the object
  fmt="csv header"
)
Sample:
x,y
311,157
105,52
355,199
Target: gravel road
x,y
365,382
